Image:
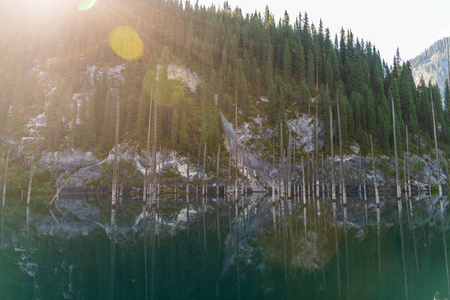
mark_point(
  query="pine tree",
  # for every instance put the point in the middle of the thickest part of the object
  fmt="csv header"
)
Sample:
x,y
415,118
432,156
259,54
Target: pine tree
x,y
241,87
370,114
406,93
310,69
175,127
287,64
272,107
325,102
184,134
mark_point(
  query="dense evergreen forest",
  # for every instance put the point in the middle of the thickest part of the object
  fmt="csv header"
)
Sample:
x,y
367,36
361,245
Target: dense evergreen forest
x,y
55,63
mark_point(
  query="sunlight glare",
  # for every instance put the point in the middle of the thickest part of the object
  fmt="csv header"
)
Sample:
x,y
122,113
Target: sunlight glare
x,y
86,4
126,43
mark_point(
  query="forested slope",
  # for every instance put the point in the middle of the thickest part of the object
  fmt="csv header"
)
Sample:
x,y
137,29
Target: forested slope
x,y
432,64
58,70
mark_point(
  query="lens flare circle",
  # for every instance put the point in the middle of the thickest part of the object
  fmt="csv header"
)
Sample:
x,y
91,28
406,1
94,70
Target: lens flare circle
x,y
125,41
86,4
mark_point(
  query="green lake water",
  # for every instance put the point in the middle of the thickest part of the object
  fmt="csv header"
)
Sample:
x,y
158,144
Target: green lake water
x,y
81,249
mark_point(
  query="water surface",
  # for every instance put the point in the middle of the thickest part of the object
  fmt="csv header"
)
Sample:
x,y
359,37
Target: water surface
x,y
219,249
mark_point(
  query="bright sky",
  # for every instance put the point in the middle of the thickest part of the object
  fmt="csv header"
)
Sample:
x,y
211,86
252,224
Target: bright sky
x,y
411,25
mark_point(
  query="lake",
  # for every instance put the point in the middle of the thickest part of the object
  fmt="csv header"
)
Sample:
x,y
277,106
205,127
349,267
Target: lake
x,y
208,248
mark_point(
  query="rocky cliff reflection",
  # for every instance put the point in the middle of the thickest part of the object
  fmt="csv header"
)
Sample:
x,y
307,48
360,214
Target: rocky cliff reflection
x,y
303,240
207,248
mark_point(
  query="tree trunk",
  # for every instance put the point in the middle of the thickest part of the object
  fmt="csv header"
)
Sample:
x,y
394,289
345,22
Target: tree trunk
x,y
187,177
397,180
155,139
116,161
4,180
236,154
333,183
344,193
204,171
303,183
375,182
145,192
30,182
408,175
436,148
317,149
217,176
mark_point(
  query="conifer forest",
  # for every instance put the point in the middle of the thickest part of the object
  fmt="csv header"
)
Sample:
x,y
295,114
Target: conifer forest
x,y
164,149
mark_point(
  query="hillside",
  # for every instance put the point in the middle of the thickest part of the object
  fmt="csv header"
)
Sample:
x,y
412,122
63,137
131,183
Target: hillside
x,y
64,70
432,65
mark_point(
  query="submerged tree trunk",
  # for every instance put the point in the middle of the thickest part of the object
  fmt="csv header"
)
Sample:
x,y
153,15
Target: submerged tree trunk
x,y
344,193
6,177
333,183
408,175
30,182
375,182
236,153
397,181
217,176
145,192
317,150
436,148
155,139
116,161
204,171
187,175
303,183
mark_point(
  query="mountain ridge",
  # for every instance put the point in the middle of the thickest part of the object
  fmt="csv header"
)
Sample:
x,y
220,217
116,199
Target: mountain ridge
x,y
432,64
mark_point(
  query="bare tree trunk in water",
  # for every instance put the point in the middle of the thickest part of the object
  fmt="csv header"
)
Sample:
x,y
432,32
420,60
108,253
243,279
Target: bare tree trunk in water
x,y
344,193
303,182
408,163
217,176
375,182
333,183
187,175
317,150
155,139
145,192
436,148
30,182
204,171
116,142
4,180
397,180
236,153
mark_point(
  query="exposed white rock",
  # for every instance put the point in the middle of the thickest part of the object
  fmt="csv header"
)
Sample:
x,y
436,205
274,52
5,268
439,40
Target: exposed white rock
x,y
182,216
183,74
305,128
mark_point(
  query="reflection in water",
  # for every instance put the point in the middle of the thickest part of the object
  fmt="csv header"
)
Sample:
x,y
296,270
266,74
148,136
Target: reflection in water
x,y
346,248
187,209
413,230
275,257
236,222
144,211
445,243
274,218
379,240
4,189
112,236
204,220
399,203
337,247
3,215
218,223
